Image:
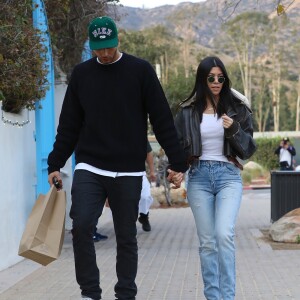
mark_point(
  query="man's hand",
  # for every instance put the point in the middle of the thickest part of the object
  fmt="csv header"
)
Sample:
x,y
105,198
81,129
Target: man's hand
x,y
286,145
152,176
57,175
175,178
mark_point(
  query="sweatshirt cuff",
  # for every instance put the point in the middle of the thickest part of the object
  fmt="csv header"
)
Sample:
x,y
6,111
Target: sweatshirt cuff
x,y
52,169
179,167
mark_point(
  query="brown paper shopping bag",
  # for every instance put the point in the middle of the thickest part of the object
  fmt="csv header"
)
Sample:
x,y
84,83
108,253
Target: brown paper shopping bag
x,y
43,236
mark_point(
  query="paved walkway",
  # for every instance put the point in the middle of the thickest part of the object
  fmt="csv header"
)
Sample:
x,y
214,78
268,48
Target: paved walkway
x,y
168,261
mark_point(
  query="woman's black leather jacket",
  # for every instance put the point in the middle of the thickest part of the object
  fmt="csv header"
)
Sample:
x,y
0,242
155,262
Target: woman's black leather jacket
x,y
238,139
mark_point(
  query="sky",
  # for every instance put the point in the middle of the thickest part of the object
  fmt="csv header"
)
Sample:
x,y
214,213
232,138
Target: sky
x,y
153,3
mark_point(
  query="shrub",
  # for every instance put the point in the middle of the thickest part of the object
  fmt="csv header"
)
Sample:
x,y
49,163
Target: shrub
x,y
264,154
23,78
22,71
246,177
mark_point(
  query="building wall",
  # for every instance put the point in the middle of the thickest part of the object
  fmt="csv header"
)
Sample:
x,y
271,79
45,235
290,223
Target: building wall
x,y
18,184
18,180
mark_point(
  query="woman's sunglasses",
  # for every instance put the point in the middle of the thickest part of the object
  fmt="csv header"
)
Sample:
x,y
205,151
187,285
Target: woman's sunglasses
x,y
211,79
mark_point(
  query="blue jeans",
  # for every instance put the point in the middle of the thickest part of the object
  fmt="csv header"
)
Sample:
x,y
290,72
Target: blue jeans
x,y
89,193
214,194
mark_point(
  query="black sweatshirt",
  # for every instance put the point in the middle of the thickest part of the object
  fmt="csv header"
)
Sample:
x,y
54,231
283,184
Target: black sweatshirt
x,y
104,117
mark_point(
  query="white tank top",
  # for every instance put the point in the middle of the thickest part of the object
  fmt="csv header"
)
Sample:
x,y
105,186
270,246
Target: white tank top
x,y
212,138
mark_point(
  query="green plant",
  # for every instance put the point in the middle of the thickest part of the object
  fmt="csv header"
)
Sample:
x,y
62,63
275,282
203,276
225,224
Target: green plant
x,y
256,173
68,22
1,96
22,63
298,239
246,177
23,79
264,154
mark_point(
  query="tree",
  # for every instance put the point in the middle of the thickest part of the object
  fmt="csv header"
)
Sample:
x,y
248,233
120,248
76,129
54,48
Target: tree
x,y
22,63
262,103
234,73
298,106
245,36
179,86
68,22
164,49
229,8
155,45
277,59
294,61
134,42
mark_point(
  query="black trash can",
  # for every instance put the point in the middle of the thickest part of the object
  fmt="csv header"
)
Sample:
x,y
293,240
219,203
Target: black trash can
x,y
285,193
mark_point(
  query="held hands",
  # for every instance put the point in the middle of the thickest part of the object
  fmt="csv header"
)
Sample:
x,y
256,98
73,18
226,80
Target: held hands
x,y
227,122
152,176
175,178
55,177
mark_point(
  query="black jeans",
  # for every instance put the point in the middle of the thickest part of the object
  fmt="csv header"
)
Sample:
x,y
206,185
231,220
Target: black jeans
x,y
284,166
89,192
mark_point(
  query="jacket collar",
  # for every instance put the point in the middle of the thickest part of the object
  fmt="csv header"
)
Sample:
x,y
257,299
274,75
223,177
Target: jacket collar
x,y
241,97
190,102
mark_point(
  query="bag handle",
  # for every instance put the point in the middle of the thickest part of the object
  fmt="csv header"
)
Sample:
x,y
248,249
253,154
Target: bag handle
x,y
56,183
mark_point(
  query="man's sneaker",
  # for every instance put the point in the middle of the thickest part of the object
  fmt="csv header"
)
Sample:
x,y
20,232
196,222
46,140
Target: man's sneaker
x,y
144,220
86,298
99,237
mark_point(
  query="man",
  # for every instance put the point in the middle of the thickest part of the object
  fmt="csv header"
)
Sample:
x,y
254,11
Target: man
x,y
104,119
98,236
146,197
285,152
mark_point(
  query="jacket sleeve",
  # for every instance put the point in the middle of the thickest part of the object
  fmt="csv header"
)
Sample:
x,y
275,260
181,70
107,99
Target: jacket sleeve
x,y
277,151
178,126
240,135
292,150
184,137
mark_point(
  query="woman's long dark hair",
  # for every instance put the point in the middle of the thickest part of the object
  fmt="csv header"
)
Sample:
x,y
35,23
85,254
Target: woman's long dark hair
x,y
202,91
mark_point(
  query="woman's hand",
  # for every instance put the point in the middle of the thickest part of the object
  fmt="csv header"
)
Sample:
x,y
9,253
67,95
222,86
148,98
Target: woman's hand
x,y
227,122
175,178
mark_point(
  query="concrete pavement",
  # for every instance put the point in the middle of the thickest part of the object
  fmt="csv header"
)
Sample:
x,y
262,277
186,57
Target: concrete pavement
x,y
169,262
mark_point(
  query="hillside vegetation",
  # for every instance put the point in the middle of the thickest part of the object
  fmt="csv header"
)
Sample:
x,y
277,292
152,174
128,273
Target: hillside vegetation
x,y
259,48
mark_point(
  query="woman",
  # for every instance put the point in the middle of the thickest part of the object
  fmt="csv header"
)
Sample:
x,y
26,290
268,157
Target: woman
x,y
215,127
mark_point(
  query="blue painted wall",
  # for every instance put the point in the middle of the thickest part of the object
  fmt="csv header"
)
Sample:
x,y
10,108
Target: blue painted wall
x,y
45,128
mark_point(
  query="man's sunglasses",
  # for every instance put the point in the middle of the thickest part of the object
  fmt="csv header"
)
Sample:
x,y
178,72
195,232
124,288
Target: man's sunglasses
x,y
211,79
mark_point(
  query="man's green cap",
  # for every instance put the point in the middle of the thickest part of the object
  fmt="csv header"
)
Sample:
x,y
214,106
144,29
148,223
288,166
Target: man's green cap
x,y
103,33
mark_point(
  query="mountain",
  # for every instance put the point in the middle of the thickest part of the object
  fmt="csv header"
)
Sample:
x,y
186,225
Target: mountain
x,y
203,21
